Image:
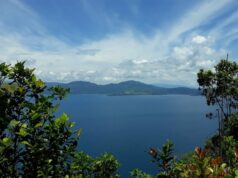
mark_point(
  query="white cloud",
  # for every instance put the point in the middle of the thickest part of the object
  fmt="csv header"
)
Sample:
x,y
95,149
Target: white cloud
x,y
199,39
143,61
182,53
174,55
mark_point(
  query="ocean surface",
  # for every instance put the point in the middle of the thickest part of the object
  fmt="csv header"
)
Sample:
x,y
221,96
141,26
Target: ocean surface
x,y
127,126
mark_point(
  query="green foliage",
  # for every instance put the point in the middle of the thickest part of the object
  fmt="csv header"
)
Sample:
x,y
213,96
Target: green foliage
x,y
163,158
140,174
231,125
220,87
229,147
82,165
105,165
33,142
200,164
219,159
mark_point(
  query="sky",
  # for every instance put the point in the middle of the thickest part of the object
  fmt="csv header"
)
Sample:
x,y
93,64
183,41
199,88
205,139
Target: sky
x,y
109,41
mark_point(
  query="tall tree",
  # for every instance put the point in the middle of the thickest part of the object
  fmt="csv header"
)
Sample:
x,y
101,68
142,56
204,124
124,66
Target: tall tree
x,y
220,87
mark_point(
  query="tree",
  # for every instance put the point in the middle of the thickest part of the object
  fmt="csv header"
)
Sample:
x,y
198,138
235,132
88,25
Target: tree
x,y
220,87
33,142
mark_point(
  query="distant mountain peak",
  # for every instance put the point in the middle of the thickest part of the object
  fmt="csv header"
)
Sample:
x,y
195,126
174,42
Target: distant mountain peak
x,y
130,87
131,82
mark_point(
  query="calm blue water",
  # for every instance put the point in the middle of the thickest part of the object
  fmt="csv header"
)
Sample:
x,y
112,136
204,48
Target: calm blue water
x,y
128,125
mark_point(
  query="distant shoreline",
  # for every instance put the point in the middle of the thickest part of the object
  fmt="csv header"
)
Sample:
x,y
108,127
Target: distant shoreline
x,y
127,88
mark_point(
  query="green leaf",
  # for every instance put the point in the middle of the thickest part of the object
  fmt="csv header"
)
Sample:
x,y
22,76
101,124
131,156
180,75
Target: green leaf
x,y
20,89
35,116
223,165
57,121
26,143
64,118
33,78
71,124
79,132
14,123
61,120
22,132
6,141
39,83
38,125
24,125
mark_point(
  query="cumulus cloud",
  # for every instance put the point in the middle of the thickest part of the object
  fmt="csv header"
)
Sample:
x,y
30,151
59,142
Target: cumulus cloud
x,y
181,65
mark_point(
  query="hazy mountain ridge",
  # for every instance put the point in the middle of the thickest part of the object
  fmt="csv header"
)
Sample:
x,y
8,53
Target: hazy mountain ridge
x,y
125,88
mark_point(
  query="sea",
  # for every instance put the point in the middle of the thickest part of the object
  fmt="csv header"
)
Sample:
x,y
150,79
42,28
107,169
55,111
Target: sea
x,y
127,126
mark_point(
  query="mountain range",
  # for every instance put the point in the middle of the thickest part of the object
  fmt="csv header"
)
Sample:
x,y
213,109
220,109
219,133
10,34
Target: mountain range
x,y
124,88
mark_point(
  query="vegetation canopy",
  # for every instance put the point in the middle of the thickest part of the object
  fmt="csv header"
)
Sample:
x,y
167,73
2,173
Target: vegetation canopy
x,y
35,143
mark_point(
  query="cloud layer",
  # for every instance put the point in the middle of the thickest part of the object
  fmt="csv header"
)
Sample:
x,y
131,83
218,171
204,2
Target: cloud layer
x,y
173,55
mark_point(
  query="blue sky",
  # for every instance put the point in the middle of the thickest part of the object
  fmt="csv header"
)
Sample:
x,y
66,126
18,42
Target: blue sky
x,y
103,41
